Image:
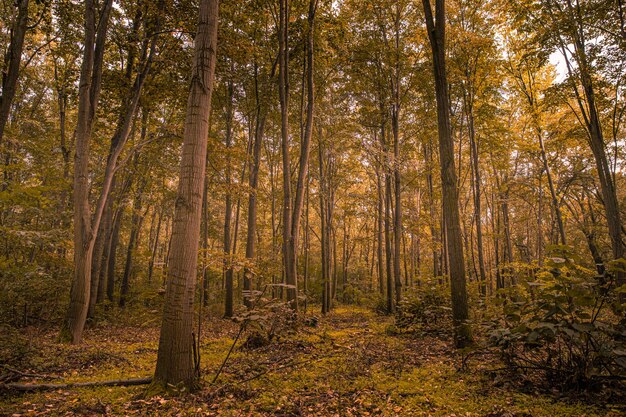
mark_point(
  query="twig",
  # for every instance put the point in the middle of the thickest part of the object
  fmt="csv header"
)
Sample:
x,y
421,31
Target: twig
x,y
242,327
51,387
29,375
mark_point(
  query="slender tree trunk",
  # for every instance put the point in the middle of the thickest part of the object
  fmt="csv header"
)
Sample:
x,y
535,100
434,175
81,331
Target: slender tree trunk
x,y
228,269
12,61
397,218
381,268
261,116
477,196
136,220
175,364
388,249
307,246
593,124
113,244
155,246
283,93
104,260
84,233
460,310
323,229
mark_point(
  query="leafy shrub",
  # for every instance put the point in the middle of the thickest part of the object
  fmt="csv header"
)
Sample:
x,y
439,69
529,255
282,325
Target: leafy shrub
x,y
557,326
379,304
267,320
32,293
427,308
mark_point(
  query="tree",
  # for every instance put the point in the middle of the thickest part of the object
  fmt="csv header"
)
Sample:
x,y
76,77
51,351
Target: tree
x,y
435,26
89,92
175,364
12,62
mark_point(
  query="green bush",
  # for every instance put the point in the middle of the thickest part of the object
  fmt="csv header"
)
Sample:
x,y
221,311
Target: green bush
x,y
424,309
33,293
560,327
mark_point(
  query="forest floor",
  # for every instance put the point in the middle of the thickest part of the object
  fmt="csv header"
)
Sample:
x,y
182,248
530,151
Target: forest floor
x,y
350,364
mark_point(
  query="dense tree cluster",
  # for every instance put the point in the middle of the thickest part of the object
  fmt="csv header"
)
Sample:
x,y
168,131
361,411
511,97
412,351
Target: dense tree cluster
x,y
355,151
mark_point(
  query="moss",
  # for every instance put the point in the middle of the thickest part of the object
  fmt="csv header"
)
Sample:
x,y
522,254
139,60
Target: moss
x,y
348,364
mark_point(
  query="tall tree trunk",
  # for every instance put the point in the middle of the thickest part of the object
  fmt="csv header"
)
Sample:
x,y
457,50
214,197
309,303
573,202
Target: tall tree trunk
x,y
84,233
12,62
112,258
283,93
228,211
175,364
323,229
253,181
380,235
434,234
155,246
303,169
593,124
104,260
136,220
477,195
460,310
388,249
307,246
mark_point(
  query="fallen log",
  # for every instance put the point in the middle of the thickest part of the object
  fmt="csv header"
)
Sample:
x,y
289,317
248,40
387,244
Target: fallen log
x,y
51,387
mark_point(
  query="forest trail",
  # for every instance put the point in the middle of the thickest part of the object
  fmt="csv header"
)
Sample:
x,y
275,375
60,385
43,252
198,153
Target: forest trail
x,y
351,364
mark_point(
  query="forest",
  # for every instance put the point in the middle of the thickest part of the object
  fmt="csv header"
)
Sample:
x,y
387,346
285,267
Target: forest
x,y
313,208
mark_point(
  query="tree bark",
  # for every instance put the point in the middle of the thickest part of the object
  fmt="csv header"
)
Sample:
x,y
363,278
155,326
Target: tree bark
x,y
12,61
174,360
84,233
460,311
228,211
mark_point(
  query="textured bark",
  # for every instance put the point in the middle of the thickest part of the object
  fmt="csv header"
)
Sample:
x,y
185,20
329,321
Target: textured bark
x,y
460,310
12,61
84,233
283,93
228,211
303,168
174,360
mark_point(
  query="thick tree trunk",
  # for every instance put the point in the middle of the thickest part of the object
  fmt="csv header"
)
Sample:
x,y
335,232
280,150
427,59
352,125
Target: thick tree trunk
x,y
174,360
460,310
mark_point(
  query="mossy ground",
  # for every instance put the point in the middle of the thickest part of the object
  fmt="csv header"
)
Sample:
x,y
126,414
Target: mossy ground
x,y
349,365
